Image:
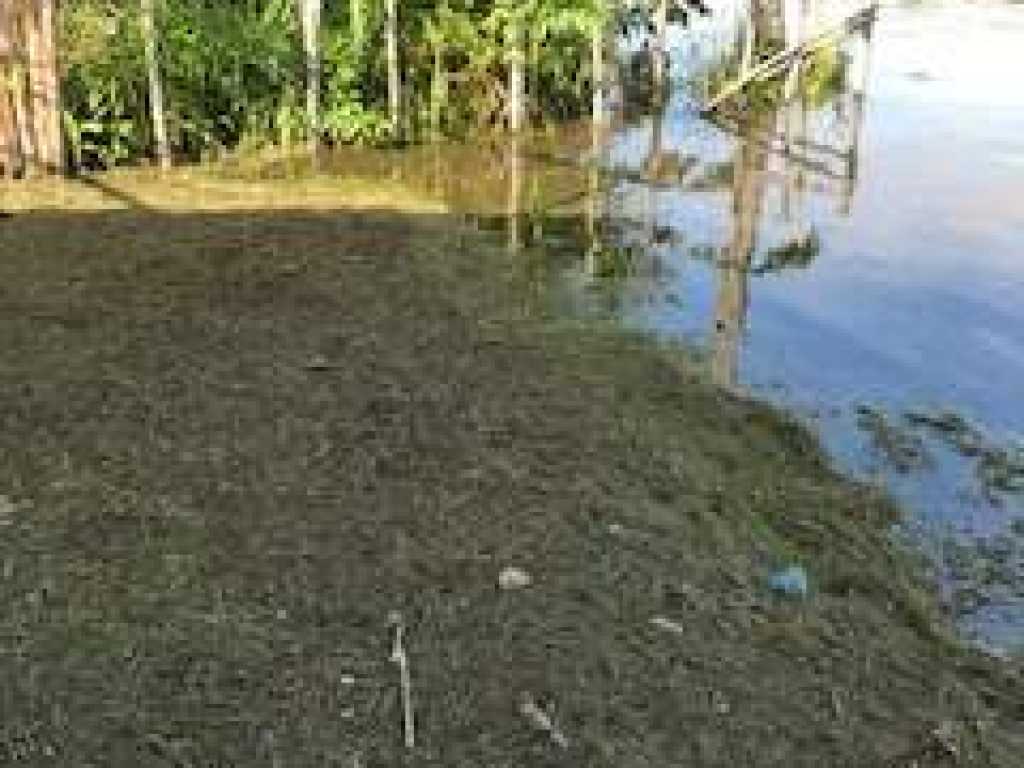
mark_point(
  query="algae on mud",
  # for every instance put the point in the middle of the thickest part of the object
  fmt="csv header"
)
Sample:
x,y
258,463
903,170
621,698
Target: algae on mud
x,y
206,533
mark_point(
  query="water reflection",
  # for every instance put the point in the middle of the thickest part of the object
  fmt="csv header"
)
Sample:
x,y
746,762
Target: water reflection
x,y
756,237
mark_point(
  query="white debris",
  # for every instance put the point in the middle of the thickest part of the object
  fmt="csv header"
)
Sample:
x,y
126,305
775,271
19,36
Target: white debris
x,y
541,721
7,510
514,578
668,625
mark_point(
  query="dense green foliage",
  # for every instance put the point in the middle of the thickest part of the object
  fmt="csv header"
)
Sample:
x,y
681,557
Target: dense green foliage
x,y
235,73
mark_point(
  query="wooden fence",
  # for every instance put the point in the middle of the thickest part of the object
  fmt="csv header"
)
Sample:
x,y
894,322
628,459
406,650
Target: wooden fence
x,y
30,116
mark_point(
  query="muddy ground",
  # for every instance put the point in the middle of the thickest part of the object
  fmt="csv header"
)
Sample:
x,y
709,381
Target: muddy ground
x,y
232,443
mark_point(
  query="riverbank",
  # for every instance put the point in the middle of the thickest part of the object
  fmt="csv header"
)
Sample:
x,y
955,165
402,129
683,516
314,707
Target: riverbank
x,y
240,439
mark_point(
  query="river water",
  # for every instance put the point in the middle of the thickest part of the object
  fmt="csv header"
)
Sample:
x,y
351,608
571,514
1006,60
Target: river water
x,y
857,256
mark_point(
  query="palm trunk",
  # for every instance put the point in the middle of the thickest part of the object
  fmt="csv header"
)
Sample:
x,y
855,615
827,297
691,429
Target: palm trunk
x,y
156,88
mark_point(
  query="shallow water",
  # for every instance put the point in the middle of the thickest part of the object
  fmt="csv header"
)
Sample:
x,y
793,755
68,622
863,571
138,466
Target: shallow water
x,y
856,261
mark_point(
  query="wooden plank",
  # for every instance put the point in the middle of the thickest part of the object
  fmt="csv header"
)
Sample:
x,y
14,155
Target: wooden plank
x,y
775,63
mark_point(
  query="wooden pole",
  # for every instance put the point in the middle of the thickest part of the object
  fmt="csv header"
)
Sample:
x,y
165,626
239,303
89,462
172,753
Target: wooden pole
x,y
44,85
156,88
394,84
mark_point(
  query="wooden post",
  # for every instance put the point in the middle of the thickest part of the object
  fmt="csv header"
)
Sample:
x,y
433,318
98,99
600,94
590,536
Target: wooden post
x,y
394,84
156,89
44,85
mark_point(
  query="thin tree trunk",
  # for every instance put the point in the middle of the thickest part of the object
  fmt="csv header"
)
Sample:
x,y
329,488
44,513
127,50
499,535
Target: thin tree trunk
x,y
8,126
732,297
8,136
597,68
44,83
23,122
394,83
156,87
516,77
438,91
311,12
357,22
658,50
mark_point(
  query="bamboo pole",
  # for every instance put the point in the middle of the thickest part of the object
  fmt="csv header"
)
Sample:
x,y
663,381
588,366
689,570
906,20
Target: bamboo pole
x,y
156,89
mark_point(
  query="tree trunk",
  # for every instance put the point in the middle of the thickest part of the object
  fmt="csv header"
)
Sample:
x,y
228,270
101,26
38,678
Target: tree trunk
x,y
438,91
8,136
357,22
311,12
597,69
394,84
516,77
44,83
9,152
156,87
658,50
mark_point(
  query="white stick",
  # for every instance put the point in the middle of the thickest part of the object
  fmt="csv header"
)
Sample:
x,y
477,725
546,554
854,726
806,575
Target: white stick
x,y
540,720
399,656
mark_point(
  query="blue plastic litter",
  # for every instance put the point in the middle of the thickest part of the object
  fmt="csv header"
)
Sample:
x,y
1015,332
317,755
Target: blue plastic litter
x,y
790,581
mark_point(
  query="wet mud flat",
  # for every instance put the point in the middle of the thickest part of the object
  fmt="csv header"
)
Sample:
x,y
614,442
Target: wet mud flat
x,y
232,444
